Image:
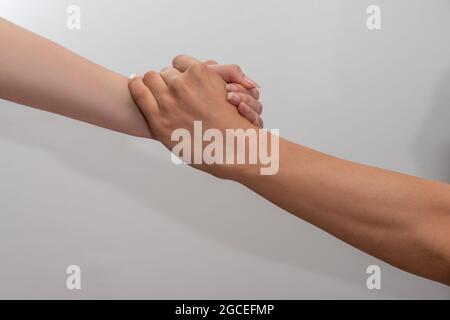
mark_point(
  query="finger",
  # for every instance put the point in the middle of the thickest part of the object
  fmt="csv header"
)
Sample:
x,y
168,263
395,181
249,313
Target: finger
x,y
143,97
182,62
211,62
249,114
261,122
233,73
236,87
229,73
169,75
156,84
237,98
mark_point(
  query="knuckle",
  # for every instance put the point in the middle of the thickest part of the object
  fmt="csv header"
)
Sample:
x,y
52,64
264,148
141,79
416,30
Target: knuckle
x,y
176,61
196,65
197,68
149,76
176,85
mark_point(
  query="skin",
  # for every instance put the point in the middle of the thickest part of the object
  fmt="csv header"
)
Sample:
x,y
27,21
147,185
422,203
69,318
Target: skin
x,y
40,73
401,219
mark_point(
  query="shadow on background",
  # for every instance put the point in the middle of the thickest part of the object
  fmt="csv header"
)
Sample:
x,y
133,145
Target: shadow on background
x,y
432,146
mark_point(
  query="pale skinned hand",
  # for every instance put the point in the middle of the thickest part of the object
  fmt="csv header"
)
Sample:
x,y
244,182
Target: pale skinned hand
x,y
242,91
172,99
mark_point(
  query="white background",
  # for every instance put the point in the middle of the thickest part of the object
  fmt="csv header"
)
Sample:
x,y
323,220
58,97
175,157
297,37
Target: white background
x,y
139,227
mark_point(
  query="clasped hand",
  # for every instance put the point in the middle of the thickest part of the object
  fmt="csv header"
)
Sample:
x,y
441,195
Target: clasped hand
x,y
220,96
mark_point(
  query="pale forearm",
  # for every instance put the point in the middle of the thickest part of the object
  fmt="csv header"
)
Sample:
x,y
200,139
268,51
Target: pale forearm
x,y
398,218
39,73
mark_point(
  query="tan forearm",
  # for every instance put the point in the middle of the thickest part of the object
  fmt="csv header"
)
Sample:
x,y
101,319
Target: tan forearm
x,y
39,73
400,219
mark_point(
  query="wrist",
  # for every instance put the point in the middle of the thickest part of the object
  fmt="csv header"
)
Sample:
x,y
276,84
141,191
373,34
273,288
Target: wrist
x,y
262,159
241,173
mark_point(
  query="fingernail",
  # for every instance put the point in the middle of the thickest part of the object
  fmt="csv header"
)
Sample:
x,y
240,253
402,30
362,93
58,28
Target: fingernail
x,y
251,82
233,97
135,75
230,87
